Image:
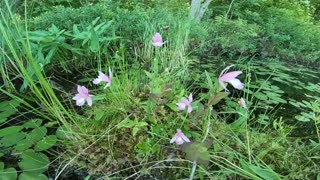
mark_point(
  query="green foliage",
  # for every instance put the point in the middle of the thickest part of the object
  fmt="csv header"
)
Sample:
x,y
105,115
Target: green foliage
x,y
35,7
135,125
21,140
33,164
65,18
237,36
6,112
197,152
280,29
8,173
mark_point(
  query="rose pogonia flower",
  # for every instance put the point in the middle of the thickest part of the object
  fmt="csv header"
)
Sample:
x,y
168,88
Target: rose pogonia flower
x,y
104,78
242,103
230,77
179,138
185,103
157,40
82,96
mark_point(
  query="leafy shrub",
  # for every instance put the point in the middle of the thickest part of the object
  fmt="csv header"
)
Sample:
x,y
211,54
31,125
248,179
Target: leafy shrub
x,y
286,29
235,36
65,18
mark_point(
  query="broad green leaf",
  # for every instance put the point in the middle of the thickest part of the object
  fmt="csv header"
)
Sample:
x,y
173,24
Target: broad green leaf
x,y
8,174
5,104
94,41
23,145
10,130
5,114
46,143
34,123
265,173
36,134
13,139
32,176
141,124
1,166
33,162
60,133
135,131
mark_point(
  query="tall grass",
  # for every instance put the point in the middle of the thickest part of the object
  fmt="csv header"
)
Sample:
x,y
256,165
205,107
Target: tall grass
x,y
16,57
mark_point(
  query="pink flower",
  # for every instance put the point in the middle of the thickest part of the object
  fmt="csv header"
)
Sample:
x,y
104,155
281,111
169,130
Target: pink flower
x,y
230,77
179,138
186,103
83,94
157,40
104,78
242,103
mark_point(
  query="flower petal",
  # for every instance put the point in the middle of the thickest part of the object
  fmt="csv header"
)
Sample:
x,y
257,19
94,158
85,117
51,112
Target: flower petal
x,y
190,98
89,101
77,96
181,106
96,81
174,139
80,102
185,138
189,108
225,69
157,40
223,85
79,89
179,141
230,76
110,74
107,85
236,83
103,77
85,91
242,103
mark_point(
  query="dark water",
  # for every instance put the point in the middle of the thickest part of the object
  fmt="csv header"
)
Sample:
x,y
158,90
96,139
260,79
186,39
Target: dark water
x,y
294,80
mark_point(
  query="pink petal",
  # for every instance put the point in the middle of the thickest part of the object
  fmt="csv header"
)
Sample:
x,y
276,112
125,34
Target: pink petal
x,y
110,74
84,90
226,69
89,101
173,139
242,103
230,75
107,85
185,138
190,98
236,83
79,89
181,106
77,96
179,141
96,81
222,85
157,44
184,101
189,108
103,77
80,102
157,38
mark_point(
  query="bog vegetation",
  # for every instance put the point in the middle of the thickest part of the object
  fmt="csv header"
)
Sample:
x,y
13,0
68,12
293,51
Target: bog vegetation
x,y
106,89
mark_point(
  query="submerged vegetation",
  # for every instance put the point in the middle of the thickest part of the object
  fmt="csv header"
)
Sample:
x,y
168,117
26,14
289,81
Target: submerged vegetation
x,y
159,89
